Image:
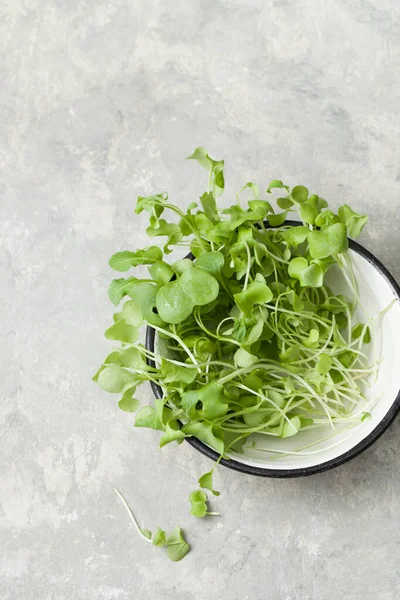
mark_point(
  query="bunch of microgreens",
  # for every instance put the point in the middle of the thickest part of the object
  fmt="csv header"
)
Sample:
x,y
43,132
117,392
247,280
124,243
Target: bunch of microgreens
x,y
251,339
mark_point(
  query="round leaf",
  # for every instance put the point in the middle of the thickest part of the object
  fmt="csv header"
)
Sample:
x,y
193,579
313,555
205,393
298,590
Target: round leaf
x,y
161,272
313,276
256,293
244,359
291,428
132,314
299,193
115,379
211,262
173,303
132,358
295,235
328,242
123,332
324,364
297,266
284,203
308,212
144,295
199,286
128,403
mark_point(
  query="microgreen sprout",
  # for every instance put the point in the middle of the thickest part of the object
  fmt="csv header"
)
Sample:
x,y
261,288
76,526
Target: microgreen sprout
x,y
174,542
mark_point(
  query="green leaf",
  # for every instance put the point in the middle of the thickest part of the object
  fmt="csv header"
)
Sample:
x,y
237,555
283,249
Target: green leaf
x,y
218,181
221,233
253,381
171,435
203,224
277,220
318,202
328,242
276,183
177,547
326,218
199,285
299,193
173,303
123,261
357,332
257,212
120,288
243,358
175,374
165,414
215,167
114,379
295,235
239,330
133,359
253,419
308,212
204,433
200,154
123,332
276,398
313,337
170,230
354,221
213,400
161,272
365,415
153,204
257,292
147,417
312,276
253,187
130,313
291,354
259,209
127,402
297,266
206,481
144,296
147,533
324,364
209,206
291,428
253,333
159,538
112,358
182,265
198,503
284,203
212,262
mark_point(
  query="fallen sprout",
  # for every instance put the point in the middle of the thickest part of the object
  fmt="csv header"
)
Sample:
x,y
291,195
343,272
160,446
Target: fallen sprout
x,y
174,542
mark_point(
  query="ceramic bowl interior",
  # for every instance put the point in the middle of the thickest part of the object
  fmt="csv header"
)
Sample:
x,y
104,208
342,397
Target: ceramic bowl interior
x,y
377,290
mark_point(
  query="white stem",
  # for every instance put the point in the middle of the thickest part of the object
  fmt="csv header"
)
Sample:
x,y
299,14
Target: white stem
x,y
132,516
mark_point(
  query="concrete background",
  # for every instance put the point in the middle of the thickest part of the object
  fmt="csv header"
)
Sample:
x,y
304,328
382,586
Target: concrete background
x,y
101,100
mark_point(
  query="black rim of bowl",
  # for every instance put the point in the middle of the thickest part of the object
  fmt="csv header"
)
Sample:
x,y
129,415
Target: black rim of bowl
x,y
319,468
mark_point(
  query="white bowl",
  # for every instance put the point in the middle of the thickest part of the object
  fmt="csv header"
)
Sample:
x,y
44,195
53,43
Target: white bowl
x,y
377,290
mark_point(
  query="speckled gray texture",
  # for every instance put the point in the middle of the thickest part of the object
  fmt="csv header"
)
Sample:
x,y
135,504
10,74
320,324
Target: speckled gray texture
x,y
100,101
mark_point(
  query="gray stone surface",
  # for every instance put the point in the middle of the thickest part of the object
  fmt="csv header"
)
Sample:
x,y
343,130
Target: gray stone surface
x,y
100,101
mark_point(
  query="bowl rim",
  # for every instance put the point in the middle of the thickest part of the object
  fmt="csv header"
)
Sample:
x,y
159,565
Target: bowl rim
x,y
287,473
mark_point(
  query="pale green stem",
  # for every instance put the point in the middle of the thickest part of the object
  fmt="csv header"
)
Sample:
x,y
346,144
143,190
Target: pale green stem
x,y
126,505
